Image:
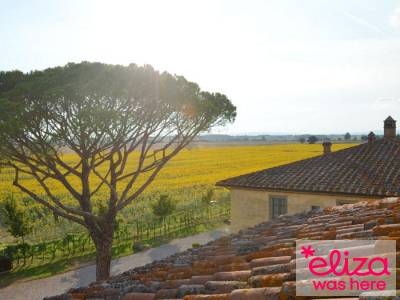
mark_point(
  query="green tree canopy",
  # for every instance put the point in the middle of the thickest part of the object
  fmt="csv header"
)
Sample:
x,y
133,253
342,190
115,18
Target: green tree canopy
x,y
164,206
312,139
14,218
101,113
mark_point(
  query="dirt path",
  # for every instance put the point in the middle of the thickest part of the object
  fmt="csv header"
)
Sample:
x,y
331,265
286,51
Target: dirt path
x,y
37,289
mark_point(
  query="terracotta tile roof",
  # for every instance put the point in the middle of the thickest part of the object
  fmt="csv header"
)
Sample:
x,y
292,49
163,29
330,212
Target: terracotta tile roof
x,y
370,169
256,263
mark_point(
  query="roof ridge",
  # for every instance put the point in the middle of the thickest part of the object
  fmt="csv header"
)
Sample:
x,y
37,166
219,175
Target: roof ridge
x,y
368,169
294,162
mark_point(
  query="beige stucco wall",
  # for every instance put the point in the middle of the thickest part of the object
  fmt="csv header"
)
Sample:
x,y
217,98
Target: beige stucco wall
x,y
251,207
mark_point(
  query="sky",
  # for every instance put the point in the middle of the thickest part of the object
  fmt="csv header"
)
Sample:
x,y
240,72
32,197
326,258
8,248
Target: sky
x,y
290,66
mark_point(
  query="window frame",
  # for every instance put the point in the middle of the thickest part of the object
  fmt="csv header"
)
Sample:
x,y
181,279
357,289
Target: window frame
x,y
272,199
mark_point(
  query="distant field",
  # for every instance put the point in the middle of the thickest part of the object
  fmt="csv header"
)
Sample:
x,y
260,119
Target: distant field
x,y
206,165
185,178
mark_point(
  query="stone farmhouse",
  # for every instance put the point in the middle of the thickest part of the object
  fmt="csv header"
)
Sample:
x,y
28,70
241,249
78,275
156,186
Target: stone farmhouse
x,y
366,172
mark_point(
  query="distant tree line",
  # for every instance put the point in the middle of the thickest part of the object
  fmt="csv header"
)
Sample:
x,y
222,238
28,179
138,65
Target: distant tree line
x,y
312,139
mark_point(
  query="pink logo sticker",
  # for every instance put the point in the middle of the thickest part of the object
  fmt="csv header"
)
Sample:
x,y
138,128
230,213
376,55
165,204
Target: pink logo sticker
x,y
345,267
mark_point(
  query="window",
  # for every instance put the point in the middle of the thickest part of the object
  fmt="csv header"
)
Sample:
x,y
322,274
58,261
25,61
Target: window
x,y
278,206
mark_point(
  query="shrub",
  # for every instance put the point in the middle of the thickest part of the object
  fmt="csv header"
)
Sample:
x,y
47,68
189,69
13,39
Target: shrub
x,y
11,251
207,198
164,206
138,247
14,218
195,245
5,264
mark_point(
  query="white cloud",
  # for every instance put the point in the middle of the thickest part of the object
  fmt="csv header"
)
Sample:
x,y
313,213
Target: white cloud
x,y
386,103
394,19
363,23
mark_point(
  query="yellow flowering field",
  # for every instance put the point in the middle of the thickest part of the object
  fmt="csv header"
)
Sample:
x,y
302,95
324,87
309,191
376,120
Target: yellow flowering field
x,y
186,179
204,165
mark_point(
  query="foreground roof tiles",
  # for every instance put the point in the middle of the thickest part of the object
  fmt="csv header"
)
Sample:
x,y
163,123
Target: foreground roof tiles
x,y
370,169
256,264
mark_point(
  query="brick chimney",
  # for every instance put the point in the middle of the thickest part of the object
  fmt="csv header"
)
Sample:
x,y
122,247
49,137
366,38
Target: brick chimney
x,y
371,137
389,128
327,147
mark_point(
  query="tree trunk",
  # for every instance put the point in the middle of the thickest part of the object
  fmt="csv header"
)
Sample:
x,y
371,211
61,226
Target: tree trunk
x,y
103,257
